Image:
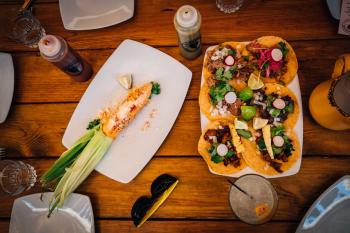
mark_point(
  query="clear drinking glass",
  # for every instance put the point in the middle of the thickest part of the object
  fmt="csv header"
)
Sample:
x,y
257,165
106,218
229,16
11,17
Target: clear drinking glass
x,y
16,176
262,203
23,27
229,6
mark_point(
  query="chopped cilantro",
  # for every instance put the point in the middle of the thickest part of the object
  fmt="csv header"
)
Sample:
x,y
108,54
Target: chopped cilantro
x,y
261,144
245,58
155,88
266,64
229,154
231,52
93,123
275,112
227,75
217,159
219,72
217,92
277,131
244,133
222,75
284,48
290,108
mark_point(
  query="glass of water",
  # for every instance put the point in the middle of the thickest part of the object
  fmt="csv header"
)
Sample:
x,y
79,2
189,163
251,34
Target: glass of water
x,y
24,28
229,6
16,177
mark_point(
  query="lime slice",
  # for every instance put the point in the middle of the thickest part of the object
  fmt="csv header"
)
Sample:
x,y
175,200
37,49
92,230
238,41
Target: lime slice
x,y
248,112
259,123
239,124
254,82
125,81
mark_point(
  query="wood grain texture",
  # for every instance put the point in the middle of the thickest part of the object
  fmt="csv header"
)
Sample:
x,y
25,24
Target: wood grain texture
x,y
39,81
290,19
36,130
153,226
200,194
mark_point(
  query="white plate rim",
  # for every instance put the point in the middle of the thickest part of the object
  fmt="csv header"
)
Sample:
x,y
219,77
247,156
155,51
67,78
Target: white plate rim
x,y
298,129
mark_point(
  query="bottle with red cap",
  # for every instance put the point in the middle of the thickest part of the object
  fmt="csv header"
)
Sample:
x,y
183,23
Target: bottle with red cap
x,y
56,50
187,21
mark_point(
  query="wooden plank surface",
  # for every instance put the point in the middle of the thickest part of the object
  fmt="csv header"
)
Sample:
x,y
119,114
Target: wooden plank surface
x,y
45,99
291,19
30,126
110,226
200,194
37,78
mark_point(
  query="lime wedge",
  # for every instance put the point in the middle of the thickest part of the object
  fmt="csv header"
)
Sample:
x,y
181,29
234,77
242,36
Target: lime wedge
x,y
239,124
254,82
259,123
125,81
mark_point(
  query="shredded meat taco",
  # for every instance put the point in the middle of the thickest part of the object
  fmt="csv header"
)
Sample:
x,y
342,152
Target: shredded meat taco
x,y
221,148
277,104
220,101
274,150
274,58
228,62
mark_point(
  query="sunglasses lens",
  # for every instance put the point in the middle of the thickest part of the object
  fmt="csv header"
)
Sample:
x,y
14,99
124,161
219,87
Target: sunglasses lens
x,y
161,184
139,209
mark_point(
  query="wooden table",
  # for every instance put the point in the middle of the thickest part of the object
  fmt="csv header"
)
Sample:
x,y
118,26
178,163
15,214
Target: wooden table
x,y
45,99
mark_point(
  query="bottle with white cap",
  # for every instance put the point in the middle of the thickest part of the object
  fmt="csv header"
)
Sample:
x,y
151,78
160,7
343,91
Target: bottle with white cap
x,y
56,50
187,21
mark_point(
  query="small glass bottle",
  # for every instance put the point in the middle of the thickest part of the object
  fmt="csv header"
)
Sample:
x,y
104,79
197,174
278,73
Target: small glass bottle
x,y
187,21
56,50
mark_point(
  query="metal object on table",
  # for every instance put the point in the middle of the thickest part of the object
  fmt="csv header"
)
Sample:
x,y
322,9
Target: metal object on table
x,y
330,212
16,177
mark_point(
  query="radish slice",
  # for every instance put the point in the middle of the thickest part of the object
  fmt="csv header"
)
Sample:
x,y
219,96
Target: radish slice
x,y
278,141
276,54
230,97
229,60
222,149
279,103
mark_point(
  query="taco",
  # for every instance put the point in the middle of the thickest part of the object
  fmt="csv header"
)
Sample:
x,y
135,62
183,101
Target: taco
x,y
221,148
274,58
277,104
228,62
275,150
219,101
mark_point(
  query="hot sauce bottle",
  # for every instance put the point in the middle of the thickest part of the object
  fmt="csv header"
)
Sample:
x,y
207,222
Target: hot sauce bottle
x,y
56,50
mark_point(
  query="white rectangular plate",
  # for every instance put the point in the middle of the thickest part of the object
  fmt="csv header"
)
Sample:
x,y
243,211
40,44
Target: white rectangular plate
x,y
134,147
298,128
